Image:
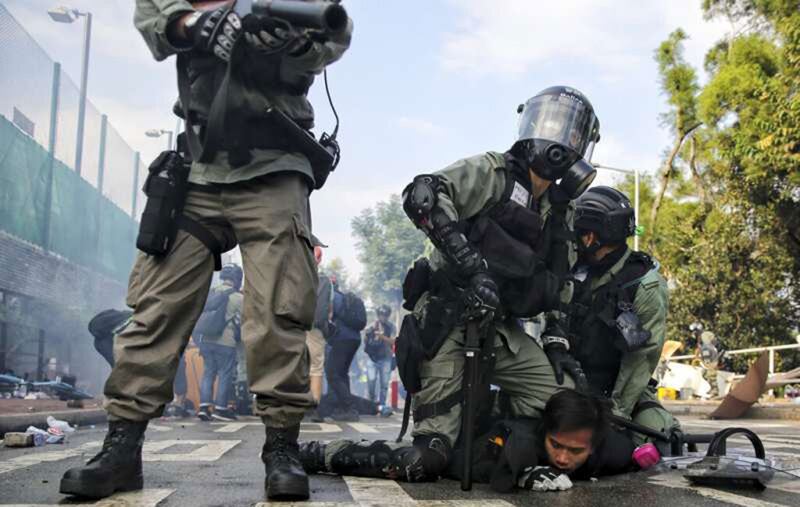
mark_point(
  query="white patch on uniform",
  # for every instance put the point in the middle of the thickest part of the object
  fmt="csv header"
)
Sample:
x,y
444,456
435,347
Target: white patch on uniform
x,y
520,196
210,450
141,498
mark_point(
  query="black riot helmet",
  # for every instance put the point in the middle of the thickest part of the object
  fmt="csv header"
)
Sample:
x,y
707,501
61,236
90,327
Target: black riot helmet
x,y
557,127
233,273
607,212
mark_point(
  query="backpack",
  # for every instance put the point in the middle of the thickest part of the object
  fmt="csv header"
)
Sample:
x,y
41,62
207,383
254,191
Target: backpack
x,y
354,313
103,326
374,346
212,321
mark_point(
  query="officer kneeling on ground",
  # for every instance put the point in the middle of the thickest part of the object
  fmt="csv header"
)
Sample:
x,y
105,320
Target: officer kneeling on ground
x,y
504,244
573,439
249,183
618,314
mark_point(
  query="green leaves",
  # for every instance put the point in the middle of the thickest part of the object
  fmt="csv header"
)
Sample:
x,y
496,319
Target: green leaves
x,y
728,237
387,243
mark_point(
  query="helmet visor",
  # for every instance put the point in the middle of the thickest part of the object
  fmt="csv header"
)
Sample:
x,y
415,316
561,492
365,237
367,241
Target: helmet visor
x,y
563,119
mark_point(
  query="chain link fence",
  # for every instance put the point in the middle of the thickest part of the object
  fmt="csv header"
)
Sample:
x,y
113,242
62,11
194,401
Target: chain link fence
x,y
34,91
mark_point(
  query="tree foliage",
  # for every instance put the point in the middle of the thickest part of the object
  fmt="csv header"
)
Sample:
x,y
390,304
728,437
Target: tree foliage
x,y
387,244
728,231
336,268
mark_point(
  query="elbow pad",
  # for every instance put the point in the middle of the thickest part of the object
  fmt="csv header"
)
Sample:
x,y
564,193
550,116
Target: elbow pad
x,y
420,204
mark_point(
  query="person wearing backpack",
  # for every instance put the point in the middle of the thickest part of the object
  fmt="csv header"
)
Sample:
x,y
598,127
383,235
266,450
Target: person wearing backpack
x,y
379,346
219,326
349,319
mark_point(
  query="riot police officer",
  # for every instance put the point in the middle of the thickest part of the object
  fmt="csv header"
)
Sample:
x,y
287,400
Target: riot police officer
x,y
249,184
618,314
502,229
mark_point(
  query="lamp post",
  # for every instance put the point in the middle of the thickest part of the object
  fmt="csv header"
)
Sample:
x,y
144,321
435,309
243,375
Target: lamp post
x,y
159,133
66,15
635,173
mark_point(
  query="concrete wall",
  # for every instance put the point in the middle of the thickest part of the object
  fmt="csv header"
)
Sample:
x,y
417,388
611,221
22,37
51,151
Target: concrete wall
x,y
40,291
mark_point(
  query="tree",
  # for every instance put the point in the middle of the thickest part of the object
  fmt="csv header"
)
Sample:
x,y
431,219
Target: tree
x,y
387,244
729,233
679,83
335,267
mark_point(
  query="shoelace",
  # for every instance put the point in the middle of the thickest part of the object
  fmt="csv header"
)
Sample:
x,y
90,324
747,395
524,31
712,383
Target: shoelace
x,y
280,449
115,437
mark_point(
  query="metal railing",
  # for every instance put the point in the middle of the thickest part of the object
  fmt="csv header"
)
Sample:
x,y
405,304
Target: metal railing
x,y
44,102
771,349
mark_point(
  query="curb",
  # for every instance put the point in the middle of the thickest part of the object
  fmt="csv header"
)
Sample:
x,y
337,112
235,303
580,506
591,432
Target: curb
x,y
20,422
774,411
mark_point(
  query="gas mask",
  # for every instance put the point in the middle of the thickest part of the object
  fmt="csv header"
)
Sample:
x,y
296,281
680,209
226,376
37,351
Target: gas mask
x,y
557,134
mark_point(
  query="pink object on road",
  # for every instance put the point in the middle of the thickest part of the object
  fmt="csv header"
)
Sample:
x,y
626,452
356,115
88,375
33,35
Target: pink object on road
x,y
646,456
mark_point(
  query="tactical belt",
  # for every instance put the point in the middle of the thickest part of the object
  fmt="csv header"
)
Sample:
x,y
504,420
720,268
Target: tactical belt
x,y
204,236
438,408
423,412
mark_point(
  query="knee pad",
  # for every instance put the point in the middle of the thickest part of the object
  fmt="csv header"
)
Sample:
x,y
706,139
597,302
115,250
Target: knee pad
x,y
426,459
363,459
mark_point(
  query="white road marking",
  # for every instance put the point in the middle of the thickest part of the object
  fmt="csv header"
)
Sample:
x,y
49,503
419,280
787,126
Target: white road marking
x,y
36,458
362,427
236,426
672,480
210,450
304,427
320,428
368,492
143,498
158,427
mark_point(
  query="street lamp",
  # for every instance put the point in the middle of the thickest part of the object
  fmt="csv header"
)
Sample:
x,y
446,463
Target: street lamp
x,y
635,173
159,133
66,15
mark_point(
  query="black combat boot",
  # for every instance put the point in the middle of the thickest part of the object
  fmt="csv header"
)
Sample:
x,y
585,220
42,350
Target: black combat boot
x,y
312,457
285,477
117,467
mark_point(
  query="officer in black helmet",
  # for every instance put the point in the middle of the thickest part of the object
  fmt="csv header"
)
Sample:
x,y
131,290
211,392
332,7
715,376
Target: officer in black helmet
x,y
619,309
501,225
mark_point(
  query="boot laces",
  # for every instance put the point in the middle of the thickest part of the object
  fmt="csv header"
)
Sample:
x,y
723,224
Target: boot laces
x,y
116,437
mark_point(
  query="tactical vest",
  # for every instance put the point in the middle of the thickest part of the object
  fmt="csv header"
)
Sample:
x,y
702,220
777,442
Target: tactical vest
x,y
224,105
593,326
528,262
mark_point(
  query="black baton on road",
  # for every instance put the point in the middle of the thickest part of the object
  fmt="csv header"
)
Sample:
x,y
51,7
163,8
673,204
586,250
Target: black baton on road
x,y
472,351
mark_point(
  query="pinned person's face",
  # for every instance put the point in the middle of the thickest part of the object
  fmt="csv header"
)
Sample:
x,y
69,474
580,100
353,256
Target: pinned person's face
x,y
568,450
318,254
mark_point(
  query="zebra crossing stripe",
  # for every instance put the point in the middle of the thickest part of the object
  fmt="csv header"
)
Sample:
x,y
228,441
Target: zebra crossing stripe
x,y
142,498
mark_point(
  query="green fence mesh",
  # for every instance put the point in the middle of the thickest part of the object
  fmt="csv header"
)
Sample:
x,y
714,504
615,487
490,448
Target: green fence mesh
x,y
83,226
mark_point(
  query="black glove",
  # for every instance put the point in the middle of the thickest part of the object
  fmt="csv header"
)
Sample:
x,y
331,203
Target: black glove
x,y
484,292
269,36
556,348
215,31
543,478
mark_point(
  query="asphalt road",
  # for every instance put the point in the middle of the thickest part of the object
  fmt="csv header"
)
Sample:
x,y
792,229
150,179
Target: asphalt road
x,y
190,463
